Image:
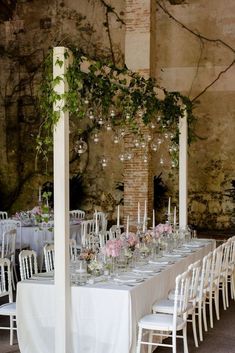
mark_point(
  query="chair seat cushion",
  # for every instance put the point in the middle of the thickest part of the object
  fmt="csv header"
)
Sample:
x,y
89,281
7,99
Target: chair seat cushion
x,y
162,322
166,306
8,309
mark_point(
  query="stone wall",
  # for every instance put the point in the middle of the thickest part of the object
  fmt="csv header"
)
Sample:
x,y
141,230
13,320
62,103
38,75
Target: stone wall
x,y
187,64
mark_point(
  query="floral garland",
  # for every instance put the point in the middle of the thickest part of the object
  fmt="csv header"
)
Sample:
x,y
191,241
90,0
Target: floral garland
x,y
111,97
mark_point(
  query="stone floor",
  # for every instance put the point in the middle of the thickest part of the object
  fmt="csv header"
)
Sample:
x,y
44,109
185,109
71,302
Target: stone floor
x,y
220,339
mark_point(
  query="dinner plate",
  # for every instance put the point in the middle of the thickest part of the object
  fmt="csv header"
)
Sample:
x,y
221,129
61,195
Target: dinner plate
x,y
173,255
127,279
160,261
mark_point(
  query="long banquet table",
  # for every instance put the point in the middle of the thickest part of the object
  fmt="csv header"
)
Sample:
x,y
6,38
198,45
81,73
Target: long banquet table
x,y
104,316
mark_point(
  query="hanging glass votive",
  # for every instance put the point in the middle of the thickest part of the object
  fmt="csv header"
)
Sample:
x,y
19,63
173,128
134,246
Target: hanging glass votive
x,y
136,142
101,121
122,157
122,132
152,126
143,144
108,127
91,115
154,146
171,136
96,137
145,158
104,161
159,118
161,161
112,113
173,164
80,146
116,139
159,141
166,135
86,101
128,116
128,156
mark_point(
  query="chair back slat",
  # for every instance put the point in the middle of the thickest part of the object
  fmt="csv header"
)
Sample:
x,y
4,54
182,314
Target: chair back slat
x,y
182,284
28,264
49,256
196,271
5,279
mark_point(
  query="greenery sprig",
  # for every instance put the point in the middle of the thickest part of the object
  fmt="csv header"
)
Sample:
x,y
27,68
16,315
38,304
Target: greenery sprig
x,y
117,96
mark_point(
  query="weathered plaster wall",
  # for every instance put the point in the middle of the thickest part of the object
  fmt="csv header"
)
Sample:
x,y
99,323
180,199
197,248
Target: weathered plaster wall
x,y
187,64
26,33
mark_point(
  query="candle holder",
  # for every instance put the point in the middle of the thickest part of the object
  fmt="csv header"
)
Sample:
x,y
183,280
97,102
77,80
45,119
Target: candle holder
x,y
139,228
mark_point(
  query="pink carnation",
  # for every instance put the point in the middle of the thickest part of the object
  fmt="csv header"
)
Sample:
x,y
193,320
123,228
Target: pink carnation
x,y
162,228
113,247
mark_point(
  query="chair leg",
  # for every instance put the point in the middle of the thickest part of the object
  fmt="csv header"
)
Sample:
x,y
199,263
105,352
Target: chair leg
x,y
185,340
216,299
174,342
139,340
226,292
211,311
194,329
223,295
200,321
204,315
11,330
150,341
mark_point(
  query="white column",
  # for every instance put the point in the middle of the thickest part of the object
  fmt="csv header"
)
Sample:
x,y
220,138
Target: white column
x,y
183,171
61,211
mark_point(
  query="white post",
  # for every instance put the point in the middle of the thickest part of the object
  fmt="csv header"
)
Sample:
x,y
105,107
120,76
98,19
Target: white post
x,y
183,171
61,210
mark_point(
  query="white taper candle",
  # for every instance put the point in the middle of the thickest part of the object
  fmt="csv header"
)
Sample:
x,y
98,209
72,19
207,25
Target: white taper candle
x,y
118,216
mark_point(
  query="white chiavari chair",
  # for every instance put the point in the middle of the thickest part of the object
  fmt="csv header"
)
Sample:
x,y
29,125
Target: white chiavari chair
x,y
7,309
231,269
73,250
167,325
202,292
77,214
28,264
8,246
166,306
114,232
49,257
3,215
223,284
87,227
214,280
8,224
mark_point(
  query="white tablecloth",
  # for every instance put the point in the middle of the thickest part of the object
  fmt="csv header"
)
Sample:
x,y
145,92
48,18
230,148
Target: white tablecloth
x,y
36,237
104,317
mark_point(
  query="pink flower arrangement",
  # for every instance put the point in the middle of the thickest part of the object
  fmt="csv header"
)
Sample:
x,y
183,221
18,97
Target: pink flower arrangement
x,y
162,228
113,247
132,240
36,210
